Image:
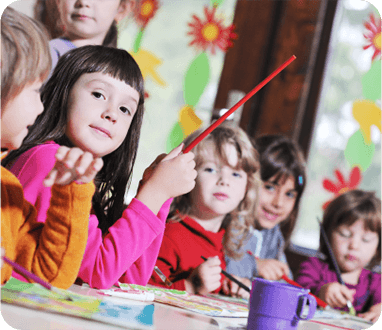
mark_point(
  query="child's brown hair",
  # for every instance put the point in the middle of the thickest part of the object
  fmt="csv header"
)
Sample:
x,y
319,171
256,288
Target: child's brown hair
x,y
349,207
238,222
25,56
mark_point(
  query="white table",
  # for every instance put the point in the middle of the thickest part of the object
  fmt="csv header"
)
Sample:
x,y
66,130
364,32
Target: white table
x,y
165,318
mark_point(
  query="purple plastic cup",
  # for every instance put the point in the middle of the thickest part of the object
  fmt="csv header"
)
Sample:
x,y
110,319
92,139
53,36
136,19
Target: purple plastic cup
x,y
275,305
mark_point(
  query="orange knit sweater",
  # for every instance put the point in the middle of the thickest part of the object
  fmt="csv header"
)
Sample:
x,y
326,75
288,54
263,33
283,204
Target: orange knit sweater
x,y
53,251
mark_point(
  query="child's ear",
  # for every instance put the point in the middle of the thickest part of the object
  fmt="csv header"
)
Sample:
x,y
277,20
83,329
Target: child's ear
x,y
125,8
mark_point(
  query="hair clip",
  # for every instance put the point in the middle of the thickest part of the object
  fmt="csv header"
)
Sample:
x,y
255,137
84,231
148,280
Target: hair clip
x,y
300,180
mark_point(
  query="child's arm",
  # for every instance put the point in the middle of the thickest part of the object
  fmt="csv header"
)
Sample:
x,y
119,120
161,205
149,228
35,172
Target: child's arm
x,y
128,252
310,275
372,314
52,251
131,247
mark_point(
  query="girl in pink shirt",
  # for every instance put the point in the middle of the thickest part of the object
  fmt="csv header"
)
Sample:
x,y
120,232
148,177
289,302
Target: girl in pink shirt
x,y
94,100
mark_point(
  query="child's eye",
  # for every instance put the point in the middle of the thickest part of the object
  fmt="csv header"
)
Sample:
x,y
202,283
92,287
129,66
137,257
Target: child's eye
x,y
209,170
125,110
269,187
291,194
98,95
344,234
236,174
368,239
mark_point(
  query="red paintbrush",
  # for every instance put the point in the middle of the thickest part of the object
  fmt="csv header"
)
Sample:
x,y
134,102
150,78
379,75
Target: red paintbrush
x,y
291,282
238,104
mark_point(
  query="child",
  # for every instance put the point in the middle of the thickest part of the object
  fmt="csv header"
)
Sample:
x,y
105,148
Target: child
x,y
94,100
52,251
226,189
283,180
352,222
83,22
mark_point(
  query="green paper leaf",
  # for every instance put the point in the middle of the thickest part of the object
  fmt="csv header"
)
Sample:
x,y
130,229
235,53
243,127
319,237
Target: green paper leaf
x,y
371,82
138,40
216,2
196,79
175,138
358,153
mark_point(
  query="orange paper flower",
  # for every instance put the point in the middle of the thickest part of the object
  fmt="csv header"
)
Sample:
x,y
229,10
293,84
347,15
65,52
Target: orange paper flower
x,y
211,33
373,35
145,11
342,186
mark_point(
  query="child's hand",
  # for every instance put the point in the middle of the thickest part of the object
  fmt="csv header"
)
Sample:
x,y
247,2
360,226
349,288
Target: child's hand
x,y
372,314
73,164
336,294
171,176
271,269
232,289
206,277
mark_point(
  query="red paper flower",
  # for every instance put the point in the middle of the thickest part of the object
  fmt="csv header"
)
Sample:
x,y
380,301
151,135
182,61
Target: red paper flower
x,y
145,11
373,35
342,186
211,32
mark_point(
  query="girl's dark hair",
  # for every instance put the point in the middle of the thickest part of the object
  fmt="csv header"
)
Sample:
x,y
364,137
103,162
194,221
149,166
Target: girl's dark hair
x,y
115,176
281,157
349,207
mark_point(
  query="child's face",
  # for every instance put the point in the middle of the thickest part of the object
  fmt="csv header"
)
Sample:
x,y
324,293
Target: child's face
x,y
100,111
90,19
354,246
276,201
19,113
219,188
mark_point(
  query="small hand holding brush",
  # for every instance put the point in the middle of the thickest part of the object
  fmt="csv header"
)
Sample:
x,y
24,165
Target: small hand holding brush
x,y
335,264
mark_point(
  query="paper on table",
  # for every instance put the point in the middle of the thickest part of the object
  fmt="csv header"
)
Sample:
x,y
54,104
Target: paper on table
x,y
102,310
200,304
130,294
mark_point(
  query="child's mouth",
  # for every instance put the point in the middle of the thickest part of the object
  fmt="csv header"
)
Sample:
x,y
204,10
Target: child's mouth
x,y
221,196
351,258
269,215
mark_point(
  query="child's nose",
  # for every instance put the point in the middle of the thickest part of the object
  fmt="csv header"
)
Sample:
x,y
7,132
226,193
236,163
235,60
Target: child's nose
x,y
223,178
110,114
276,201
354,242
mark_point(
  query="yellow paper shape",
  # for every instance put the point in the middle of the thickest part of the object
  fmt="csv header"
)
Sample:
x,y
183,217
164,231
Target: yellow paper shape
x,y
148,62
188,120
367,113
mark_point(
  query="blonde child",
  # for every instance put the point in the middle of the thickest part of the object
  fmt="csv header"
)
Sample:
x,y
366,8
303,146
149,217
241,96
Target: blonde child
x,y
82,22
94,101
205,221
52,251
283,180
352,223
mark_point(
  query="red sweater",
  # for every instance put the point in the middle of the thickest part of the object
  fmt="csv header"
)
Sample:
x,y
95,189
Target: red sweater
x,y
183,245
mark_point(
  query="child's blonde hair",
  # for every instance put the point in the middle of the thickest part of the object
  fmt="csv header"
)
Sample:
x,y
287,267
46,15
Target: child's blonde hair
x,y
238,222
25,56
349,207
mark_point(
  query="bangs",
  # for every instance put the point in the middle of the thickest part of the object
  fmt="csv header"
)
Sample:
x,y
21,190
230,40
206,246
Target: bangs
x,y
280,166
120,65
245,161
115,62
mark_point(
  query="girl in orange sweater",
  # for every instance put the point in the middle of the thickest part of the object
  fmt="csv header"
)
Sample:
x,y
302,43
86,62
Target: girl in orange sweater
x,y
53,251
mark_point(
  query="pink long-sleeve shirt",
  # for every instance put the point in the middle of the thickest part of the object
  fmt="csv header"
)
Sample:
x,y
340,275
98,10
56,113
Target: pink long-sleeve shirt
x,y
127,253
